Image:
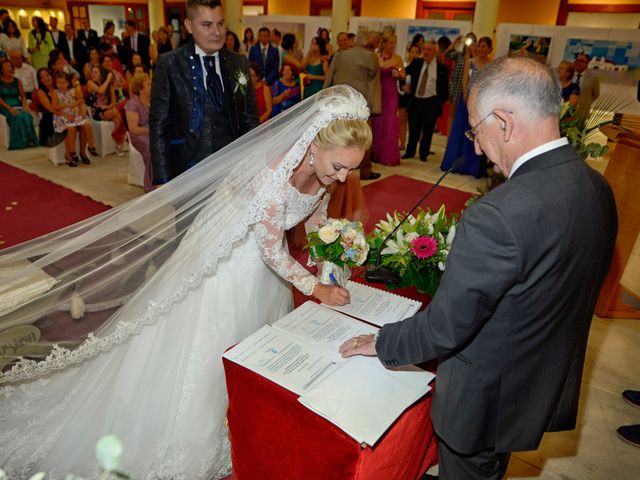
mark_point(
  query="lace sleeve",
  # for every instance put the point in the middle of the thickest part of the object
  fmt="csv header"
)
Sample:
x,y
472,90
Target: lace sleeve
x,y
270,236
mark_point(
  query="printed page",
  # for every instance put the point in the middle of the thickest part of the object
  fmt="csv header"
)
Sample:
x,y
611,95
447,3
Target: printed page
x,y
376,306
283,359
363,398
323,327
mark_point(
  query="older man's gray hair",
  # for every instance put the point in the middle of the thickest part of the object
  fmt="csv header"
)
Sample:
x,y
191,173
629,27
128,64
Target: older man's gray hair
x,y
531,84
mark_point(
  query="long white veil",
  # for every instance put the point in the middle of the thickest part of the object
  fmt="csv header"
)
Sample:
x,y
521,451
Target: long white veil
x,y
104,271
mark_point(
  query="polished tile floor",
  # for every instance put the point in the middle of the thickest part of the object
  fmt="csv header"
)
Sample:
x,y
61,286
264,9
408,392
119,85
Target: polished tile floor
x,y
592,451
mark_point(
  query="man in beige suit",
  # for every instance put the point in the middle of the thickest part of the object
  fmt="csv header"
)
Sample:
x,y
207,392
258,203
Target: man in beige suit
x,y
587,82
358,67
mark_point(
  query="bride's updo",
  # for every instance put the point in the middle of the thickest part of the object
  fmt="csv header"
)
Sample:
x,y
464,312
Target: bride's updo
x,y
344,133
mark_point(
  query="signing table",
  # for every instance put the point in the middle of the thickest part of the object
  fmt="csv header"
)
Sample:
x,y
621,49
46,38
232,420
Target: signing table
x,y
274,436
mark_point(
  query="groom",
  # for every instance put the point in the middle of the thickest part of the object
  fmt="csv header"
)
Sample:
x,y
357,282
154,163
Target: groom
x,y
202,98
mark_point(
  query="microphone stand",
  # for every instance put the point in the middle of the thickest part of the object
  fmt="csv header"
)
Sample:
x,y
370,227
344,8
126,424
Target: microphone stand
x,y
378,274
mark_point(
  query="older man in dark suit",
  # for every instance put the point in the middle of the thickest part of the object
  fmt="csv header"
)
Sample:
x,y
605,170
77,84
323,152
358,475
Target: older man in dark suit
x,y
428,89
510,320
202,98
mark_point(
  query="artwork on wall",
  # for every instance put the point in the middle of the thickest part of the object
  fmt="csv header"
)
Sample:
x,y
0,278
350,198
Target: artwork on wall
x,y
432,33
608,55
382,27
288,27
531,46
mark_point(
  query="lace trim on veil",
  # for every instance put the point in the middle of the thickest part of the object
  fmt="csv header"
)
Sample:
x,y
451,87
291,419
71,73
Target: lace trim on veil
x,y
61,358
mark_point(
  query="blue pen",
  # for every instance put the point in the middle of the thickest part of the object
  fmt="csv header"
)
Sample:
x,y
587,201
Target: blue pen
x,y
333,279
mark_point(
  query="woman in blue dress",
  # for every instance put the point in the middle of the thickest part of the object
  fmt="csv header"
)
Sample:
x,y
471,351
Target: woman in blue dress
x,y
285,91
458,144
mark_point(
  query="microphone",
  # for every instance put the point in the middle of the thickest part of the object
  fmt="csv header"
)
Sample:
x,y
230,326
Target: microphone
x,y
378,274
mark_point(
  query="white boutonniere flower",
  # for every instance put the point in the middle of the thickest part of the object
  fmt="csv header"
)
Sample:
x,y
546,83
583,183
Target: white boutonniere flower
x,y
241,82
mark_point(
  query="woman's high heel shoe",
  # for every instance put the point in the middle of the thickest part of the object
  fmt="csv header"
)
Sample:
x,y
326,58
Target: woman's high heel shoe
x,y
93,151
70,161
85,160
74,158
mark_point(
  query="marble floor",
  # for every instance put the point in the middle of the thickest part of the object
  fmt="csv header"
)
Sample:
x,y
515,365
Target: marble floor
x,y
592,451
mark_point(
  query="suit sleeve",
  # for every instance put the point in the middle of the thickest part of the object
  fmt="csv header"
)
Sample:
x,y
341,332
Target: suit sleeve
x,y
482,266
160,122
328,81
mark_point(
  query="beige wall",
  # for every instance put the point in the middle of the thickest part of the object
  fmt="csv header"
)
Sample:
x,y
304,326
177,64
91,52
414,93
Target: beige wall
x,y
388,8
289,7
544,13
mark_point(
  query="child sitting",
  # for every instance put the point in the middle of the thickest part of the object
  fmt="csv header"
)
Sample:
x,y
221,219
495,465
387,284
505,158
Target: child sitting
x,y
72,117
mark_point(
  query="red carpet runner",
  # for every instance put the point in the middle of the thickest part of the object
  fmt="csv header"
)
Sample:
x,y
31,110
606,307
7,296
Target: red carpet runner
x,y
31,206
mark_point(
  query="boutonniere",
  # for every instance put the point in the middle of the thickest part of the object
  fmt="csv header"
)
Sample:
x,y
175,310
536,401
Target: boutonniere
x,y
241,82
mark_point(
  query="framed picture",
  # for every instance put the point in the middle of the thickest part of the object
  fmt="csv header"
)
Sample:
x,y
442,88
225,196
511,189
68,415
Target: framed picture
x,y
531,46
24,22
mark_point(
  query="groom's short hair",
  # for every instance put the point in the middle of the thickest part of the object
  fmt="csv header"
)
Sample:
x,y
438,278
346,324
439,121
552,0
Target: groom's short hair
x,y
193,5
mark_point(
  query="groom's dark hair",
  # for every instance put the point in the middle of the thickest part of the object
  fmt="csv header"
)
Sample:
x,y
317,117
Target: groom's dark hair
x,y
192,6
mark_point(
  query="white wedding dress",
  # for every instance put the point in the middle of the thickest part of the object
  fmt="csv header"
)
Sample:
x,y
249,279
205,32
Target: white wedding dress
x,y
176,277
162,391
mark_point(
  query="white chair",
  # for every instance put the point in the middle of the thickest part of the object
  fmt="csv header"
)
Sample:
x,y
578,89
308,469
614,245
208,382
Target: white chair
x,y
136,166
105,144
4,132
56,154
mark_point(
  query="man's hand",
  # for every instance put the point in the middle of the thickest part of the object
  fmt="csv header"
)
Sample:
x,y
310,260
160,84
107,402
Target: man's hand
x,y
360,345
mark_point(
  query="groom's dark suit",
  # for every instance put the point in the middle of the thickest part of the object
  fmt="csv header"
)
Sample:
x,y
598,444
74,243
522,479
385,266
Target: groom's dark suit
x,y
510,320
184,127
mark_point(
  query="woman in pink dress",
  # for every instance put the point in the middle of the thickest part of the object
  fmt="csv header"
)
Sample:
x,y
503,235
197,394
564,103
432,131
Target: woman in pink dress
x,y
386,126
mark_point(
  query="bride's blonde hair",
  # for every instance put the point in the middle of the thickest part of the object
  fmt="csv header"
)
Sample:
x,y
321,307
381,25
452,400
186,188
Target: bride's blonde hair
x,y
344,133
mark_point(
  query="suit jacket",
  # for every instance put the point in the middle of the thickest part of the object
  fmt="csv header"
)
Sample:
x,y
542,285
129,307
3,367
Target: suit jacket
x,y
177,107
442,81
510,319
270,73
80,54
62,44
92,40
126,52
589,92
359,68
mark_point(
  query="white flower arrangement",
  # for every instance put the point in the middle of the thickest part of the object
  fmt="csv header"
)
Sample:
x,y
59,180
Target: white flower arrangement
x,y
241,82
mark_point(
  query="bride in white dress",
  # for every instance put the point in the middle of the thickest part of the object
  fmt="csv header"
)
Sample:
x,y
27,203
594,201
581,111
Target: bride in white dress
x,y
184,273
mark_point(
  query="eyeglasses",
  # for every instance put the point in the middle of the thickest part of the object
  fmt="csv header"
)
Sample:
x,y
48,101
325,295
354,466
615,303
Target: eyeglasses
x,y
471,133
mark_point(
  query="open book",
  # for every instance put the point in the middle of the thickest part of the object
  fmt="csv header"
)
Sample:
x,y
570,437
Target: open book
x,y
377,306
300,353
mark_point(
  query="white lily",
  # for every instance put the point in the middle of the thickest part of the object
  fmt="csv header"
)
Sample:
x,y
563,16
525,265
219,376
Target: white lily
x,y
396,246
451,234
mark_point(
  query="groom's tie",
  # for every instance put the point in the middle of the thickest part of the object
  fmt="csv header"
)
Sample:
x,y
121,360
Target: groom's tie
x,y
214,85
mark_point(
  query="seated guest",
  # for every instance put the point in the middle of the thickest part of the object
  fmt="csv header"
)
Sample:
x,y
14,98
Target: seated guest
x,y
71,116
11,39
286,91
119,82
58,63
46,133
232,42
94,61
570,90
137,111
262,92
136,60
13,105
24,72
102,102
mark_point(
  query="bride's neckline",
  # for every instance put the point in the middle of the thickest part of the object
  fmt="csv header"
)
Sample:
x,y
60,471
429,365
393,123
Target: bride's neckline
x,y
310,195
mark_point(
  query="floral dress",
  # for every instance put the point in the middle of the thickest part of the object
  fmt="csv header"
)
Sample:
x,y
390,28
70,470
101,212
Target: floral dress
x,y
78,117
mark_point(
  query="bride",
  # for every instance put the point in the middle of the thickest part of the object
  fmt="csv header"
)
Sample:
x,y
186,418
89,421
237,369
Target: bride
x,y
158,288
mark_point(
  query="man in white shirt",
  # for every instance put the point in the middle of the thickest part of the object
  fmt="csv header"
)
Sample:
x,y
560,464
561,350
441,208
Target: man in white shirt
x,y
23,72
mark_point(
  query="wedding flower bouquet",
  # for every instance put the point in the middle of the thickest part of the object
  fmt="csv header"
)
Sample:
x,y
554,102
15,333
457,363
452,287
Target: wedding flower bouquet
x,y
418,251
340,244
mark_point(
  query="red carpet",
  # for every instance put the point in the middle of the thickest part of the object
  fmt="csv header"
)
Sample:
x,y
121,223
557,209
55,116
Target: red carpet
x,y
401,193
31,206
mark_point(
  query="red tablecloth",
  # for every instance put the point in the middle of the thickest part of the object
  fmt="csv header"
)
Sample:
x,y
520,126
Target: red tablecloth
x,y
273,436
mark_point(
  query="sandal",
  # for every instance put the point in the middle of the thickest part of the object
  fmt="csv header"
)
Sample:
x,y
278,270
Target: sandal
x,y
74,158
70,161
85,160
93,151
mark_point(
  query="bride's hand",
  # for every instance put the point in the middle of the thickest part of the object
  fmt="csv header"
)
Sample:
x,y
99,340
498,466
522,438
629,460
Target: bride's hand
x,y
331,294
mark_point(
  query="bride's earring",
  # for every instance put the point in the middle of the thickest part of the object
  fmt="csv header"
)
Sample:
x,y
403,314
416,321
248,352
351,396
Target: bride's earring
x,y
312,158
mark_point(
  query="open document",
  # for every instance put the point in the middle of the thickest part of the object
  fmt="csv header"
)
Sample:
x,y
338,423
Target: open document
x,y
300,353
377,306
